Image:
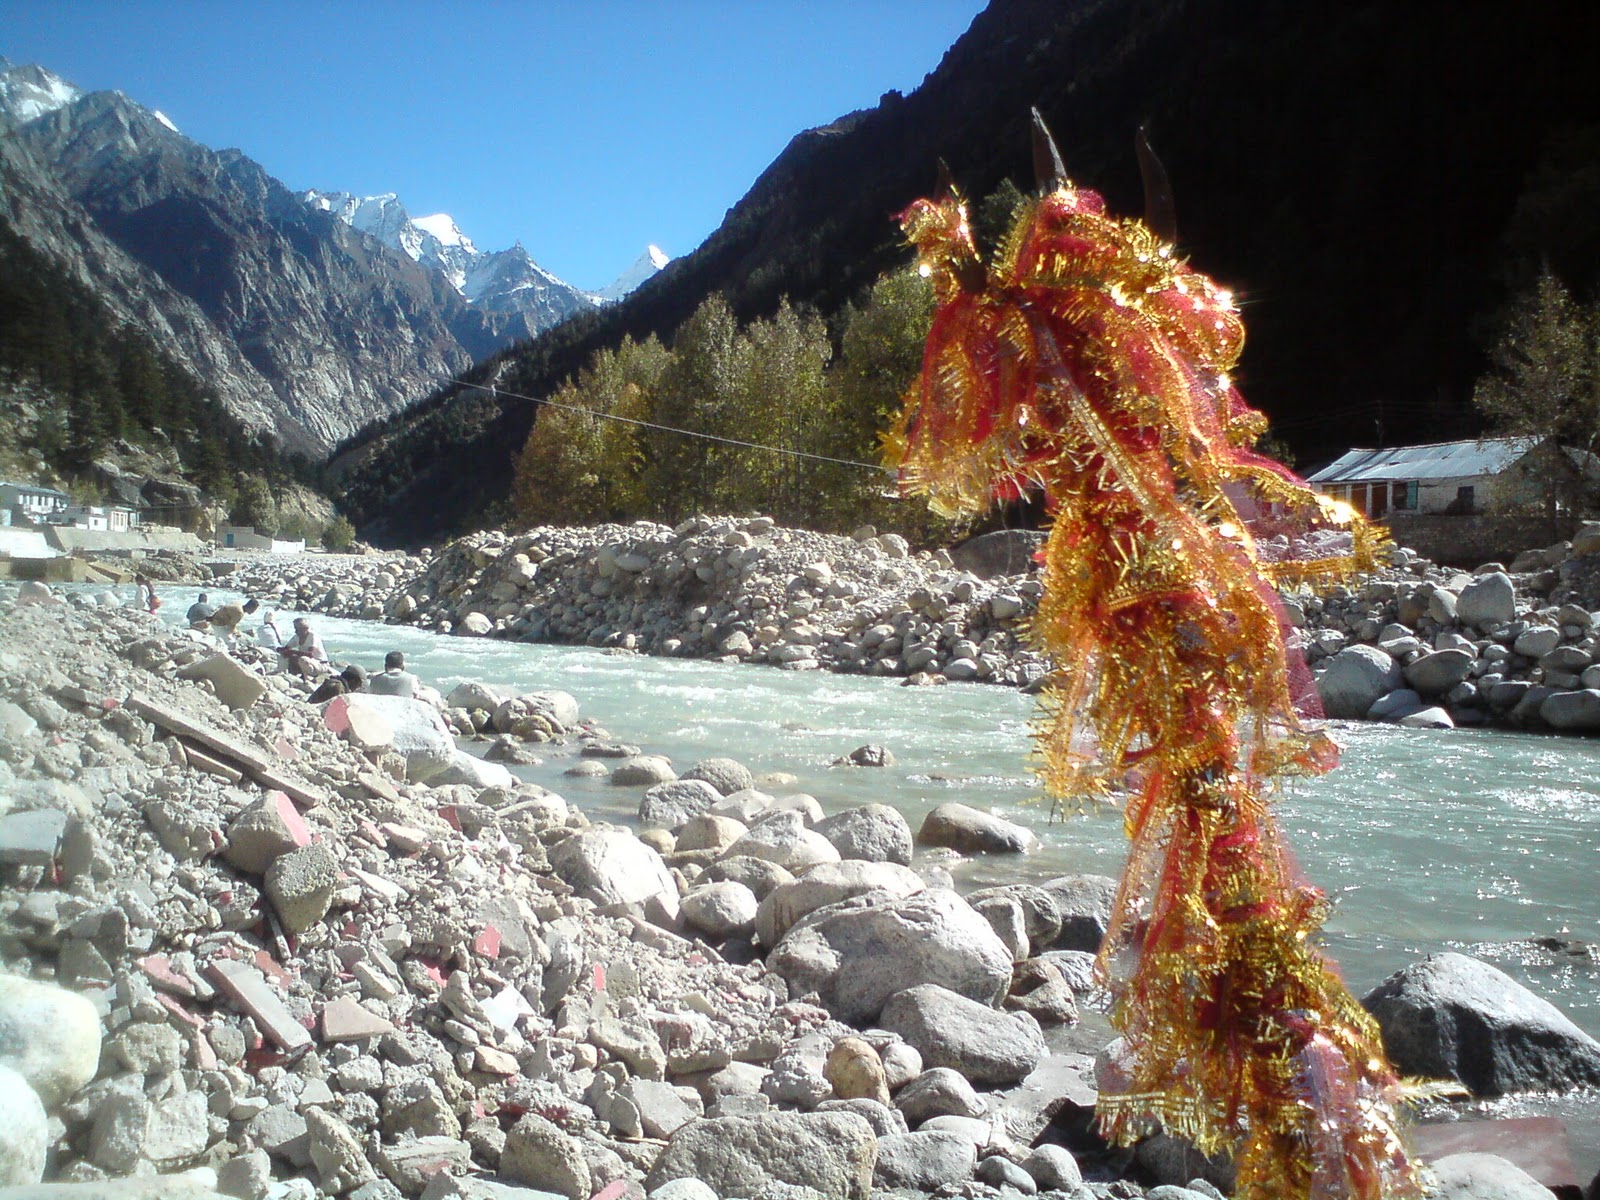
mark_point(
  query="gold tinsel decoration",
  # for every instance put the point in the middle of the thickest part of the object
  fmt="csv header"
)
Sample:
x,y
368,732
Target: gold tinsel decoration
x,y
1090,361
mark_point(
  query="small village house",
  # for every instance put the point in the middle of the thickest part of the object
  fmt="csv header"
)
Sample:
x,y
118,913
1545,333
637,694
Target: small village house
x,y
29,503
1460,478
109,518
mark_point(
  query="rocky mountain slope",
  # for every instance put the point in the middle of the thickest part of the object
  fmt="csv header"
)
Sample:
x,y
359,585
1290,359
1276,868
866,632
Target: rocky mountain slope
x,y
506,282
1344,167
301,323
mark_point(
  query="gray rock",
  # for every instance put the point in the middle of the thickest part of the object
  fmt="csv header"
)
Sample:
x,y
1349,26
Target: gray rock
x,y
883,1119
923,1161
971,831
1355,679
1572,712
829,883
672,804
1483,1177
1536,641
49,1036
542,1155
1436,673
831,1153
986,1046
260,835
858,953
420,735
1399,703
727,775
646,770
684,1189
1454,1017
784,839
1488,601
1432,717
1041,911
874,832
798,1076
1000,1172
757,874
1053,1168
708,831
336,1153
411,1163
301,884
24,1131
869,756
938,1092
1084,902
611,866
721,910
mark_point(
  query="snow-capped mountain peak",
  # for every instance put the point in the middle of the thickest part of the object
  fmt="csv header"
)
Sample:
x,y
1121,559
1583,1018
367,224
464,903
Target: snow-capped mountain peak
x,y
29,92
503,281
646,265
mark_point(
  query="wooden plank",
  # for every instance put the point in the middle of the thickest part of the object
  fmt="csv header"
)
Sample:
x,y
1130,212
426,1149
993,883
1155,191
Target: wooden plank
x,y
253,762
214,766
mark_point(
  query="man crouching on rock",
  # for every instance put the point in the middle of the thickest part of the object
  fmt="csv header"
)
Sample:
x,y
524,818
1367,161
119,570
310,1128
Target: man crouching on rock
x,y
304,651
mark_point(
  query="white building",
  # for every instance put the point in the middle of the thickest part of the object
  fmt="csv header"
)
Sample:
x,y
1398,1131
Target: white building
x,y
29,503
1452,477
108,518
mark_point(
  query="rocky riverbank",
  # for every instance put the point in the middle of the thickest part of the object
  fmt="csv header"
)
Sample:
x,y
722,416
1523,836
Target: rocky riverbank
x,y
262,948
1416,643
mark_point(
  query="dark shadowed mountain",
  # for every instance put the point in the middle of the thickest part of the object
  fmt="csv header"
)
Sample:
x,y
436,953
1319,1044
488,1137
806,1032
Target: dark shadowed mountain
x,y
1372,178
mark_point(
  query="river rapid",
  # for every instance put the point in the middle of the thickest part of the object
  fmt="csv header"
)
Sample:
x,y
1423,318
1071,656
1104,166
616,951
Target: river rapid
x,y
1425,840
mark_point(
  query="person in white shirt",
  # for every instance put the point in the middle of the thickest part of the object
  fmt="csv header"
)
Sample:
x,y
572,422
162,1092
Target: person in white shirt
x,y
394,680
304,652
267,633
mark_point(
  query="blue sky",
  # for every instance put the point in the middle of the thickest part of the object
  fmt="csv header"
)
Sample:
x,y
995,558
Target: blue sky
x,y
586,130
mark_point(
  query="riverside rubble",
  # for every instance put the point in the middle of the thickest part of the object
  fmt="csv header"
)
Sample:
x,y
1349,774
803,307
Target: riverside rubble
x,y
324,972
1415,643
404,982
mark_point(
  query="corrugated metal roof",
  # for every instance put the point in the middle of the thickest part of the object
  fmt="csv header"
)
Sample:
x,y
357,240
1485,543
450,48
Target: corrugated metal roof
x,y
1441,460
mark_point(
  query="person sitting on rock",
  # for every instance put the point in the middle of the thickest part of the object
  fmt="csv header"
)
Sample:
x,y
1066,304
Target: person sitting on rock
x,y
351,679
199,614
304,652
394,680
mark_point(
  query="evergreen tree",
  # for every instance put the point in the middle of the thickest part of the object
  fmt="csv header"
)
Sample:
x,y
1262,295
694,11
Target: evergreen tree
x,y
1544,380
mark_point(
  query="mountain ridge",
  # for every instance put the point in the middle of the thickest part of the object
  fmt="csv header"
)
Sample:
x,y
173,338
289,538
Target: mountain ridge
x,y
1343,167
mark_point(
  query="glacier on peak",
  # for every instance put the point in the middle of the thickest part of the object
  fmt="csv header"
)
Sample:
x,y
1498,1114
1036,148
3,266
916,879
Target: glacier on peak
x,y
29,91
645,266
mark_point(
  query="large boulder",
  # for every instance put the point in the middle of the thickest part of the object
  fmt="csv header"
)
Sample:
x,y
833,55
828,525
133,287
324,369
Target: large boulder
x,y
1355,679
235,684
474,772
859,952
673,804
829,883
875,832
1454,1017
420,733
925,1161
973,831
1488,602
611,866
1483,1177
1572,712
49,1036
1436,673
1003,552
727,775
1084,902
783,838
24,1131
536,716
986,1046
542,1155
829,1153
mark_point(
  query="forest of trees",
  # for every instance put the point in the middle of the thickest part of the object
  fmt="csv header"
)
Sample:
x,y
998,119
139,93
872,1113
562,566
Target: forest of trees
x,y
114,382
751,401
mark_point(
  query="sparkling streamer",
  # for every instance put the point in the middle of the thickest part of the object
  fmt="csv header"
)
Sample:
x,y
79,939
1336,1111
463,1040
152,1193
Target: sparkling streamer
x,y
1090,361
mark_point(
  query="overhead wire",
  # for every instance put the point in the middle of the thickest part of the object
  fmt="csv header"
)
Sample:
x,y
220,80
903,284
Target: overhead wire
x,y
692,433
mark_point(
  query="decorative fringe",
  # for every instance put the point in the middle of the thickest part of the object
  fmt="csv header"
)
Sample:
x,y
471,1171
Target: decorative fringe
x,y
1091,361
